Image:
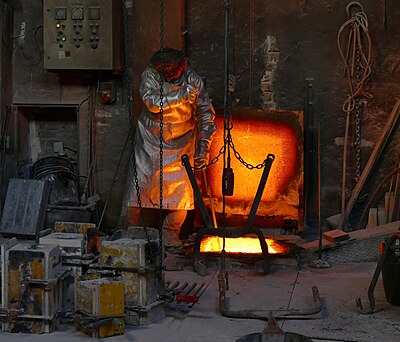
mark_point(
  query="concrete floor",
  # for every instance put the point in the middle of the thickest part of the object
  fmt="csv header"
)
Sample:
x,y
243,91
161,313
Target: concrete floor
x,y
284,287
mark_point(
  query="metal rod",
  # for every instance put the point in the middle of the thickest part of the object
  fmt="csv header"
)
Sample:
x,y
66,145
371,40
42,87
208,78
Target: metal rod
x,y
319,190
190,289
184,286
198,289
192,179
260,190
208,190
263,314
172,287
229,232
384,16
344,168
375,278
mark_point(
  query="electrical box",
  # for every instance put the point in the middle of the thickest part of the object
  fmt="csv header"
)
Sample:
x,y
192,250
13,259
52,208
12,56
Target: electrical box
x,y
78,34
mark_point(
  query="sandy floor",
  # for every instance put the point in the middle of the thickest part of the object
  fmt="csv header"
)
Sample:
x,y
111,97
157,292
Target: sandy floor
x,y
283,288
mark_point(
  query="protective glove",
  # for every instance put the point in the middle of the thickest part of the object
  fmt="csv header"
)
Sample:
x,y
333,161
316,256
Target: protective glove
x,y
201,155
200,163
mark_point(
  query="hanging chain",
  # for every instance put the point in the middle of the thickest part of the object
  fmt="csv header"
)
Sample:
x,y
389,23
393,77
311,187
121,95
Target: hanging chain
x,y
161,108
235,153
161,24
239,157
213,161
357,141
357,62
129,85
161,147
161,244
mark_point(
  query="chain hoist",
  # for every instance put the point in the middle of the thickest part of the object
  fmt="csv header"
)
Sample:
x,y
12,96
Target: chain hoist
x,y
228,176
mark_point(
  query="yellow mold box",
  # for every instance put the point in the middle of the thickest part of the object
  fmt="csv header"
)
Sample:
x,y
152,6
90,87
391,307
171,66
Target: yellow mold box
x,y
102,300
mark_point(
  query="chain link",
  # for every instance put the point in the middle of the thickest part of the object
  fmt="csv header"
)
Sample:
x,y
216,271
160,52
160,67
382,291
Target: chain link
x,y
161,146
357,140
129,85
213,161
161,24
239,157
161,244
235,153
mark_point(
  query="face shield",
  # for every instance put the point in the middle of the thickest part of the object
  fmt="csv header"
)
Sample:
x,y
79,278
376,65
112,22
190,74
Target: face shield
x,y
172,71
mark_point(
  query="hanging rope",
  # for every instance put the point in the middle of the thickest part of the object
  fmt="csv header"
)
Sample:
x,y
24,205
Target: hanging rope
x,y
357,60
357,64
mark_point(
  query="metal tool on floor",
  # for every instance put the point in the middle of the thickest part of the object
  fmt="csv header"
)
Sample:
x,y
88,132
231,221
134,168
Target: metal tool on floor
x,y
229,232
263,314
183,296
272,333
390,266
95,326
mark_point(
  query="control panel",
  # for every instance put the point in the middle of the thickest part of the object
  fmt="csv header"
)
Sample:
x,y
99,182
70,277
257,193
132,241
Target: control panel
x,y
78,34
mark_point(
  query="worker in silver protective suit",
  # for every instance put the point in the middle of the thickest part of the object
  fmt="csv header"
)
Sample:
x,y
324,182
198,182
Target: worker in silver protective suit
x,y
188,128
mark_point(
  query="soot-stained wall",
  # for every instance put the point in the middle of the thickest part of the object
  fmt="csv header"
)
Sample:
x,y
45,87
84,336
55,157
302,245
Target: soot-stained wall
x,y
275,46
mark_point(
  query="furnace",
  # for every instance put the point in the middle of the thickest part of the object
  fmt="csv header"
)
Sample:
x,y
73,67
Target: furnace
x,y
255,135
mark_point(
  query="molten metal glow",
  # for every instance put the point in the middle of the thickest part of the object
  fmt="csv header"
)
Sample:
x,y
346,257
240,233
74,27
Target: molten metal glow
x,y
254,140
243,245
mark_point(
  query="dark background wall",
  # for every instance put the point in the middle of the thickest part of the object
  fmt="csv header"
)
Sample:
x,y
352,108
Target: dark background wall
x,y
274,47
302,37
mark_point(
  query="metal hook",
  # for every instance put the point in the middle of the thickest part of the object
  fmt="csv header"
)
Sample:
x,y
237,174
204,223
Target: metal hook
x,y
375,277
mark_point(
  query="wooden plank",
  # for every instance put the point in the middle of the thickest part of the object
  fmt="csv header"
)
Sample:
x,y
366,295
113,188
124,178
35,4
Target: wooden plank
x,y
396,200
371,161
372,218
388,206
336,235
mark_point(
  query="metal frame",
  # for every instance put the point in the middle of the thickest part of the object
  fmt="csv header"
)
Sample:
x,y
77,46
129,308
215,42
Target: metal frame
x,y
230,232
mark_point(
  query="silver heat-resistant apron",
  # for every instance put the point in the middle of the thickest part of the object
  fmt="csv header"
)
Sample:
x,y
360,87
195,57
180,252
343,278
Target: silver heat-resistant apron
x,y
188,117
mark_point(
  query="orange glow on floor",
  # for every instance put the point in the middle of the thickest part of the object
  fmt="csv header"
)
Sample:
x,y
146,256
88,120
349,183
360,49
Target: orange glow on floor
x,y
254,140
243,245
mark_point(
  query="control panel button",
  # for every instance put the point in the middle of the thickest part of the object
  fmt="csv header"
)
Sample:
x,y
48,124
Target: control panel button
x,y
60,13
77,13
